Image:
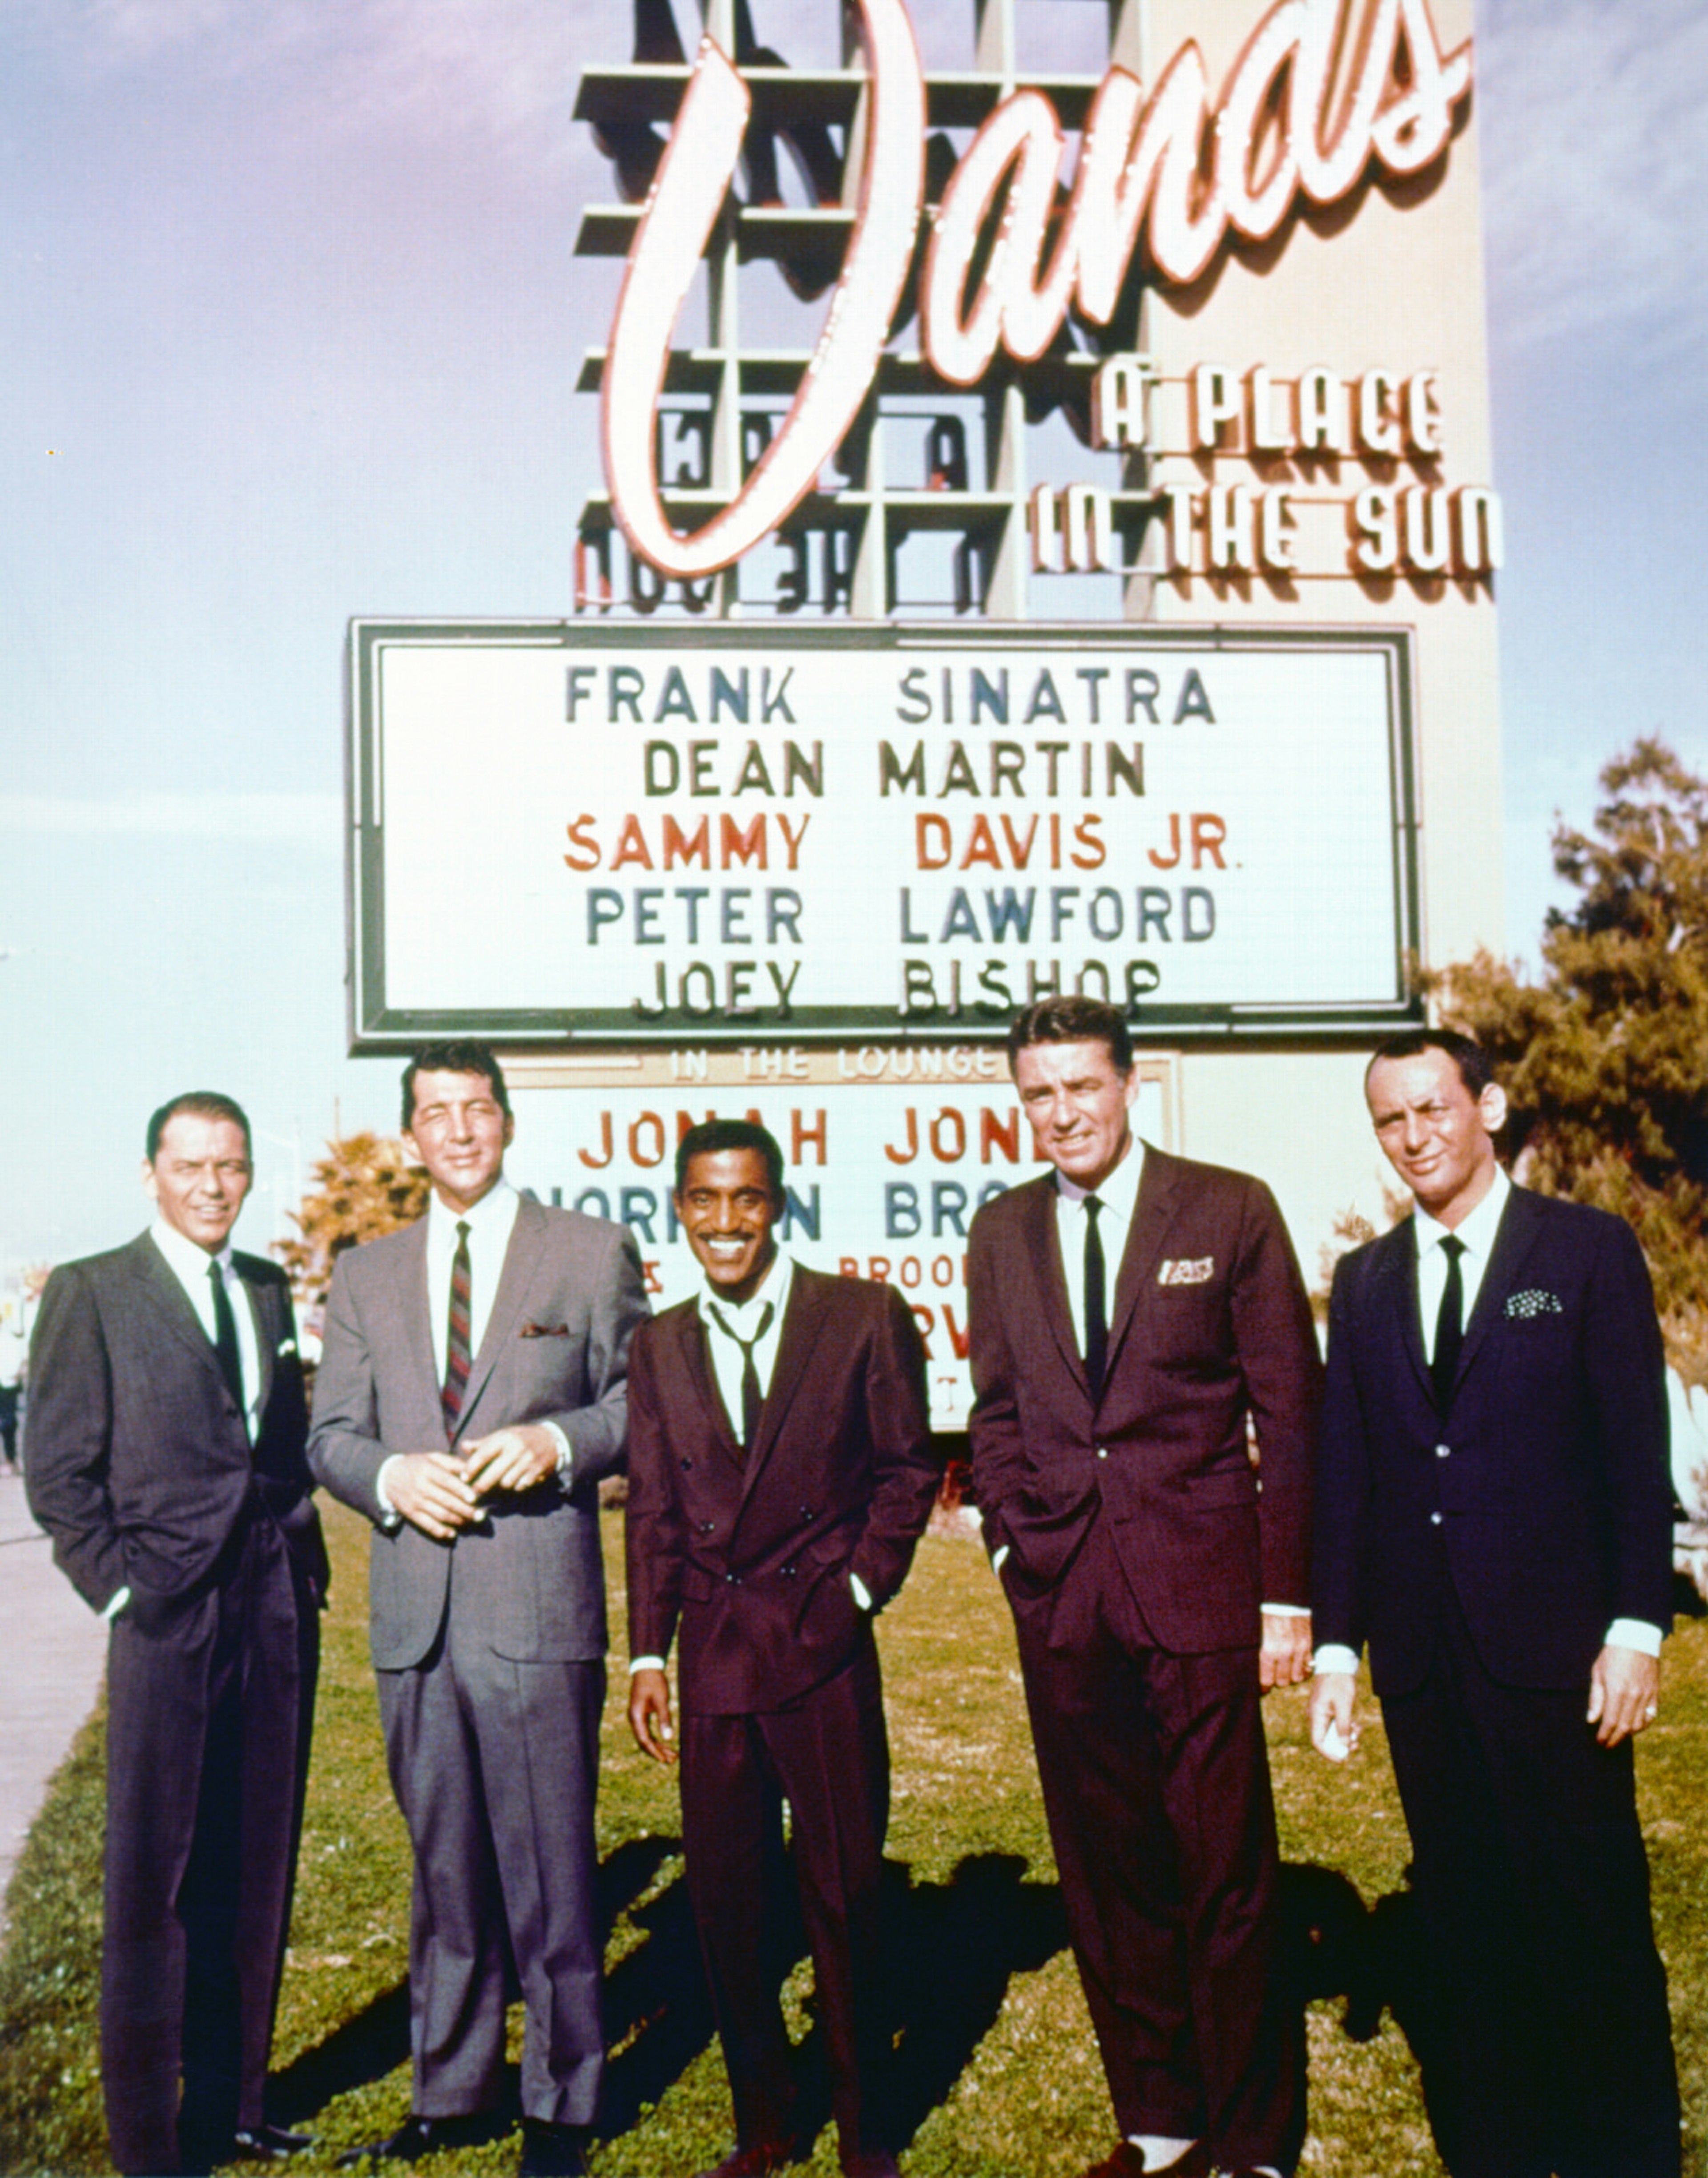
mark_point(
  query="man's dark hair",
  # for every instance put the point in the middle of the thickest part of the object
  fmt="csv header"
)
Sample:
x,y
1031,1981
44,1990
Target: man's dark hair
x,y
713,1136
1475,1069
1072,1018
464,1057
198,1104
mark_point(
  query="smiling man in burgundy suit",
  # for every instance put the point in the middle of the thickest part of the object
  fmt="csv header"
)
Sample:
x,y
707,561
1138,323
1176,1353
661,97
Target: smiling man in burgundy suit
x,y
470,1398
1129,1313
167,1426
781,1472
1494,1513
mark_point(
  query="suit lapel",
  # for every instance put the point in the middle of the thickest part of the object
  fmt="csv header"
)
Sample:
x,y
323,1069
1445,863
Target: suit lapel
x,y
1514,1237
166,1296
1041,1240
1158,1184
1397,1273
520,1259
261,1316
693,1336
803,1320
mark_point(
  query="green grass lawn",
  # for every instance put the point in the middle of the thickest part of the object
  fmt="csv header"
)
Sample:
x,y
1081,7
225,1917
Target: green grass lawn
x,y
997,2072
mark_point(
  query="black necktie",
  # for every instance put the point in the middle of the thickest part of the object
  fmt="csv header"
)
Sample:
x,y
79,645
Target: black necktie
x,y
1096,1308
753,1399
456,1333
226,1335
1449,1325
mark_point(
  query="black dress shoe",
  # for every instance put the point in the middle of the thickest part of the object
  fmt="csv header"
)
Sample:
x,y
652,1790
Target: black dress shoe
x,y
425,2136
268,2143
552,2151
757,2158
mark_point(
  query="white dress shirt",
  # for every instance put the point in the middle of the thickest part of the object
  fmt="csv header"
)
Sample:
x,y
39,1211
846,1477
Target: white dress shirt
x,y
1477,1231
490,1221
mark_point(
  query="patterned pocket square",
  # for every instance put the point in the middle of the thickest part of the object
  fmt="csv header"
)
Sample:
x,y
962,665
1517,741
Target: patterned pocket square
x,y
544,1331
1184,1271
1534,1300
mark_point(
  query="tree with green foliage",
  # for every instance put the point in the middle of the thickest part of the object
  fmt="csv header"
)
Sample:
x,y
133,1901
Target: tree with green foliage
x,y
1605,1058
366,1184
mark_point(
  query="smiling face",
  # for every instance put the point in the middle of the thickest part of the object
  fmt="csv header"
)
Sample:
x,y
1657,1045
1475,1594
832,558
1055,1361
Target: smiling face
x,y
728,1211
1436,1135
1076,1099
460,1132
200,1177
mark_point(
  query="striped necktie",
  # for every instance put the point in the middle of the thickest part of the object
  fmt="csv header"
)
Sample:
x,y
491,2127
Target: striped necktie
x,y
456,1333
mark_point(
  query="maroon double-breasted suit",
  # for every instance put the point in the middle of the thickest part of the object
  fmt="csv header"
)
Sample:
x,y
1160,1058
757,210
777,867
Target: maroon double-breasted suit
x,y
1137,1545
750,1563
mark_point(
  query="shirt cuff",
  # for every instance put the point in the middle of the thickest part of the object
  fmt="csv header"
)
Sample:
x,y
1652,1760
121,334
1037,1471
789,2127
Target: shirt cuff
x,y
1635,1633
566,1459
1332,1656
645,1664
1286,1610
863,1595
999,1557
390,1517
120,1598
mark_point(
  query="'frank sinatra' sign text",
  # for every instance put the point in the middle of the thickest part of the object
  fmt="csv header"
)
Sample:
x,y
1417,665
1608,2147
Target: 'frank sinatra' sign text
x,y
1323,89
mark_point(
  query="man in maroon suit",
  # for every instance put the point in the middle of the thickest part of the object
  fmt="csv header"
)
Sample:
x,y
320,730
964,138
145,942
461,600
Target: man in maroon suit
x,y
780,1471
1131,1315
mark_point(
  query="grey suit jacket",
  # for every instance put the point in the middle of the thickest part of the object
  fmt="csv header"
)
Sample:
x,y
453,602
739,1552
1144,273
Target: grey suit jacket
x,y
140,1464
530,1578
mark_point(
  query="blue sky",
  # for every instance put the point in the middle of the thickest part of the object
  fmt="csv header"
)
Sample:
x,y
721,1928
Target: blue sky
x,y
291,324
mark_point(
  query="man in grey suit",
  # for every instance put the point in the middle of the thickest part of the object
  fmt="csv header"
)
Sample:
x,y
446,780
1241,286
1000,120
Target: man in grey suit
x,y
166,1429
470,1398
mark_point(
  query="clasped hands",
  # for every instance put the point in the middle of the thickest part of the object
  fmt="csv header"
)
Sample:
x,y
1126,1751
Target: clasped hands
x,y
442,1492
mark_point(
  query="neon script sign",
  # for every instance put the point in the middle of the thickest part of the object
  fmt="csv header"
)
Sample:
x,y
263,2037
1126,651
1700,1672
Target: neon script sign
x,y
1322,90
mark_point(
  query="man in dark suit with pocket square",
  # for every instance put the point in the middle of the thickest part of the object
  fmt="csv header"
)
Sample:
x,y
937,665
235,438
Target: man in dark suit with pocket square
x,y
781,1472
1493,1518
470,1398
167,1429
1134,1318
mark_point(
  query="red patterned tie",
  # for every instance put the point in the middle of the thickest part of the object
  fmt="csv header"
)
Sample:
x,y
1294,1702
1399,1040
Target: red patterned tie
x,y
456,1335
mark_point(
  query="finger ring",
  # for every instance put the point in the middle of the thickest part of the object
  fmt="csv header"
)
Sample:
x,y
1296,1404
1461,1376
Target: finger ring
x,y
1651,1710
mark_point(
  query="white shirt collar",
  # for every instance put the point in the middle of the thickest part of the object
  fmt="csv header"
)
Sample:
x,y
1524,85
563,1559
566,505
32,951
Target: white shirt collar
x,y
1119,1192
1476,1230
774,1286
188,1261
488,1220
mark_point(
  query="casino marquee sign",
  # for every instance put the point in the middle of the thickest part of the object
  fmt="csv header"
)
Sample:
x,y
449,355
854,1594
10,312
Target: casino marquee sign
x,y
1023,246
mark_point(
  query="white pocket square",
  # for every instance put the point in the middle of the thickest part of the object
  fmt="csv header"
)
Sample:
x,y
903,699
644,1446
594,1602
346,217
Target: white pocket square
x,y
1186,1271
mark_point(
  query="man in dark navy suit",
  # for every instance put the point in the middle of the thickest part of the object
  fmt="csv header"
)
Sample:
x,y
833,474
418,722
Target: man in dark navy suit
x,y
166,1435
1494,1517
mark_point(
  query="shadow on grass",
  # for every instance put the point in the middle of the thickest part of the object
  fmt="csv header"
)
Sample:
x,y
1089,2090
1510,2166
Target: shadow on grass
x,y
368,2046
951,1949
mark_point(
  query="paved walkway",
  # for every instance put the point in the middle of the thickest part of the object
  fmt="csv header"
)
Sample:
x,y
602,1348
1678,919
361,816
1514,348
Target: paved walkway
x,y
52,1651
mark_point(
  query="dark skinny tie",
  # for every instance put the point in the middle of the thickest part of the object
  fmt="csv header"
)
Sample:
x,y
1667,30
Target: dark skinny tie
x,y
456,1333
1449,1325
1097,1307
226,1335
753,1399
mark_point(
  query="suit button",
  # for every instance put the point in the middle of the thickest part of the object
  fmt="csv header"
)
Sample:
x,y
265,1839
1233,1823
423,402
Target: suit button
x,y
1442,1451
706,1527
688,1465
1435,1519
734,1580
